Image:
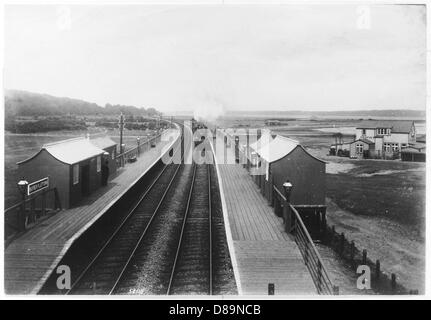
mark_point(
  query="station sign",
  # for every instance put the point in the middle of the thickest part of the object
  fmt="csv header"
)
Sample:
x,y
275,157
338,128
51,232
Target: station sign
x,y
37,186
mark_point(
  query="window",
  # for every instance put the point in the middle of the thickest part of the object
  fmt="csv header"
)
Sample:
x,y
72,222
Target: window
x,y
99,163
382,131
395,147
387,147
359,148
75,173
113,154
404,145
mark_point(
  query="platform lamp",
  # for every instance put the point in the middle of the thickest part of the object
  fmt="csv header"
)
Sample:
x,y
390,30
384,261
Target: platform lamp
x,y
138,142
22,187
287,187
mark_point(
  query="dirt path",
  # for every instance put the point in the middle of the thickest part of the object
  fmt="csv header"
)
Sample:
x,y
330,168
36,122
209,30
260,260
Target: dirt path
x,y
386,240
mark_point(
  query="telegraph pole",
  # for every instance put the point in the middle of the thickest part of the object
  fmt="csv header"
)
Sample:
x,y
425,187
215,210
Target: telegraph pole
x,y
121,122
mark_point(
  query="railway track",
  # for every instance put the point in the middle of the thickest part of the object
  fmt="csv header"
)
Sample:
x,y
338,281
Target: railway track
x,y
175,256
102,273
192,270
164,245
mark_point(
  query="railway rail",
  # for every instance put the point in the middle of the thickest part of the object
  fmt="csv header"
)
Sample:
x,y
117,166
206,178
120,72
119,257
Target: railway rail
x,y
104,271
192,268
164,243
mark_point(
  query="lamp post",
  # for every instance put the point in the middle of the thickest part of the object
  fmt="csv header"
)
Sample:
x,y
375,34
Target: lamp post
x,y
138,142
287,214
287,187
236,149
22,187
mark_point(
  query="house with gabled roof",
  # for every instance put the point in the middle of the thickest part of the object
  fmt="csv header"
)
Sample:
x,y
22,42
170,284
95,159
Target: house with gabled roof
x,y
389,137
378,139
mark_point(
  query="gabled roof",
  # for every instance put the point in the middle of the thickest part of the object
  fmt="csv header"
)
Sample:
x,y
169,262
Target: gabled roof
x,y
264,139
278,148
103,142
70,151
397,126
363,140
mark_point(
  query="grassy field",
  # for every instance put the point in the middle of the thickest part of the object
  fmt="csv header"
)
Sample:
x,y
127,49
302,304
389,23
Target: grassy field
x,y
380,204
19,147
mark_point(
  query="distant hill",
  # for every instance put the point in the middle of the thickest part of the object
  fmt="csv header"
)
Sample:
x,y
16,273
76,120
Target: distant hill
x,y
403,113
23,103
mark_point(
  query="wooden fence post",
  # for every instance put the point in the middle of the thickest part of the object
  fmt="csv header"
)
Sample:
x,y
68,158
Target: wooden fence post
x,y
32,214
271,289
364,256
336,290
377,270
342,244
21,217
323,228
393,282
287,216
332,235
352,252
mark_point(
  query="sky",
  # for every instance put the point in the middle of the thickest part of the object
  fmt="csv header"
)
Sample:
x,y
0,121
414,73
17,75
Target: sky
x,y
221,57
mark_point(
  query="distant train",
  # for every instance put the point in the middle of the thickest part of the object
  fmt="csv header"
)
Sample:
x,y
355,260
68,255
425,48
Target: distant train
x,y
197,125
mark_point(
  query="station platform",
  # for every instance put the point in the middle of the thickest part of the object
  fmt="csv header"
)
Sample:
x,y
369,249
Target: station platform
x,y
261,252
31,258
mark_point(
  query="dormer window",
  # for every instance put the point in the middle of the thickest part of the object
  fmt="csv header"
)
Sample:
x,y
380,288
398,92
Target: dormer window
x,y
382,131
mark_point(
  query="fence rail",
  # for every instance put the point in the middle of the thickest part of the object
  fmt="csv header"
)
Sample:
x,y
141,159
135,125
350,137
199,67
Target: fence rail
x,y
312,258
28,212
132,154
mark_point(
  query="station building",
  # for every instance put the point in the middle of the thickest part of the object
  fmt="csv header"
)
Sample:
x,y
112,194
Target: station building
x,y
275,161
282,159
73,167
109,146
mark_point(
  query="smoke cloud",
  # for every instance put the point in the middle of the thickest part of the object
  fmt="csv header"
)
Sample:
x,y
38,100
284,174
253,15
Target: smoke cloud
x,y
209,108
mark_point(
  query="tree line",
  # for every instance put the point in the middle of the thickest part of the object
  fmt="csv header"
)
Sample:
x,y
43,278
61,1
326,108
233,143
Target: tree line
x,y
23,103
27,112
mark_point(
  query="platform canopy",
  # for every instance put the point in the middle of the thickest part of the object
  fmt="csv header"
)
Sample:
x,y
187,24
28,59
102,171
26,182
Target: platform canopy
x,y
278,148
264,139
70,151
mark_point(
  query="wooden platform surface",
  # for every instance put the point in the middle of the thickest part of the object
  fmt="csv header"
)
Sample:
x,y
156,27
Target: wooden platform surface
x,y
261,251
30,259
